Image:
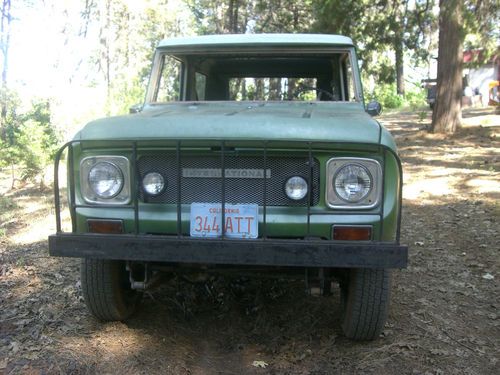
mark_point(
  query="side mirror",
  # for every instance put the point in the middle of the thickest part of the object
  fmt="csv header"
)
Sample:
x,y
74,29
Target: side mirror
x,y
136,108
374,108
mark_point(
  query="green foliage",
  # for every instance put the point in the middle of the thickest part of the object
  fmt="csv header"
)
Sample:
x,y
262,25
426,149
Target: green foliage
x,y
7,204
283,16
416,98
7,207
9,128
380,29
124,37
421,116
386,95
259,16
38,139
383,71
126,94
480,28
28,140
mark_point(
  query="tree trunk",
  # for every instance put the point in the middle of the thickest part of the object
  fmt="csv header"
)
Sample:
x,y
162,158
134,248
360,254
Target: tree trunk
x,y
5,44
291,89
232,11
259,89
235,17
400,83
244,95
105,53
447,114
230,14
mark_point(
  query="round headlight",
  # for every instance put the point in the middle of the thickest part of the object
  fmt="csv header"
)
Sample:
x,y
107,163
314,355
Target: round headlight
x,y
352,183
106,180
296,188
153,183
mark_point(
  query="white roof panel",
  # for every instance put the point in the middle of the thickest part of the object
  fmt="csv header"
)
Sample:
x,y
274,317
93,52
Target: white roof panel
x,y
255,40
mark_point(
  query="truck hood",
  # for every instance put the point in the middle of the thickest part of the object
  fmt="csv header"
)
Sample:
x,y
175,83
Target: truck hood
x,y
338,122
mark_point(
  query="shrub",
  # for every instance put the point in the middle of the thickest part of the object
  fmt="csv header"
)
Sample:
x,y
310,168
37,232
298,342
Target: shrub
x,y
386,95
416,98
37,139
28,140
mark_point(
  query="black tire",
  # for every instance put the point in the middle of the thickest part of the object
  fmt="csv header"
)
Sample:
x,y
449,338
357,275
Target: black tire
x,y
106,289
365,295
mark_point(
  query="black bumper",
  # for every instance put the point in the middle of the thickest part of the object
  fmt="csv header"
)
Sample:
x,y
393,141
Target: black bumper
x,y
269,252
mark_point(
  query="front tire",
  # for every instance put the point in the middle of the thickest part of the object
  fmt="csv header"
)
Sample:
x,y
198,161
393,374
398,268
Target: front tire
x,y
106,289
365,295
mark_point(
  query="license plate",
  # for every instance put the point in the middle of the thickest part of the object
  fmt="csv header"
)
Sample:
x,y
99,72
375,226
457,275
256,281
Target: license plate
x,y
241,220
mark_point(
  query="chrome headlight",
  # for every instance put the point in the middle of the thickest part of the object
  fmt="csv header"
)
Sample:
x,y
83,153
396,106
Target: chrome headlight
x,y
105,179
353,183
153,183
296,188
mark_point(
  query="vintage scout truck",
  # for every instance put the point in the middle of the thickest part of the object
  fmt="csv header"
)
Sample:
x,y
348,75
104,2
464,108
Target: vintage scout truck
x,y
250,153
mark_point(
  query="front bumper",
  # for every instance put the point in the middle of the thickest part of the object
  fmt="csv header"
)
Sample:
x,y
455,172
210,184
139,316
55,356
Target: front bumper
x,y
268,252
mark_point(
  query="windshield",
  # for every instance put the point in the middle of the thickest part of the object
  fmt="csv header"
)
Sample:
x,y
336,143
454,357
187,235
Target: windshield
x,y
272,77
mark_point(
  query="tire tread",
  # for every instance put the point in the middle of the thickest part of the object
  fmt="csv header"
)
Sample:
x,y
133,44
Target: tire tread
x,y
102,292
366,308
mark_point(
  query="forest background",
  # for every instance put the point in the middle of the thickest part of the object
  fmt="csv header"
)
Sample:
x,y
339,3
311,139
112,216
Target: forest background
x,y
67,62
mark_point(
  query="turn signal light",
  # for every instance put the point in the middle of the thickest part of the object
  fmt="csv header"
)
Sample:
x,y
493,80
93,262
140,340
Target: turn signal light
x,y
105,226
347,233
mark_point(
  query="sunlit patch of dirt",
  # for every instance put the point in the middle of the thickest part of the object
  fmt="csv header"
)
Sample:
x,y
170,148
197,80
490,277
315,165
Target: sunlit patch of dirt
x,y
444,317
438,166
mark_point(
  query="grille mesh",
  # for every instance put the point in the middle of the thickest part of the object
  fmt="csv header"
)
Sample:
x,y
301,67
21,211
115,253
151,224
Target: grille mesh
x,y
238,190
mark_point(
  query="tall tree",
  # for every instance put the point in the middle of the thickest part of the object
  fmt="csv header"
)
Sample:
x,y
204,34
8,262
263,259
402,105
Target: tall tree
x,y
219,17
124,35
105,44
240,16
5,24
283,16
447,114
380,28
458,19
481,19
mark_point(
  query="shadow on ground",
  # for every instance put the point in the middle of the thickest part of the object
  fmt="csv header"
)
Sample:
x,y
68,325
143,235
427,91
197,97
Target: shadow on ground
x,y
444,316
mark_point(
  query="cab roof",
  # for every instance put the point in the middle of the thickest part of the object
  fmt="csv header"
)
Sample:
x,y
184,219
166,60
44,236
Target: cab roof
x,y
256,40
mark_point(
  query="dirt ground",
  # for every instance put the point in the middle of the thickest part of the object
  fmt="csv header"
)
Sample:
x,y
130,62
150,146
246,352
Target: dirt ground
x,y
444,316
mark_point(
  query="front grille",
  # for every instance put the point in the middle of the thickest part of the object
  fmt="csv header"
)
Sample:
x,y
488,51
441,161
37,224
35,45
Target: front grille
x,y
238,190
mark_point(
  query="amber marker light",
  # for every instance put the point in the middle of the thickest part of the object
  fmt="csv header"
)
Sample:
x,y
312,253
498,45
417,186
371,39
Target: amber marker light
x,y
105,226
352,233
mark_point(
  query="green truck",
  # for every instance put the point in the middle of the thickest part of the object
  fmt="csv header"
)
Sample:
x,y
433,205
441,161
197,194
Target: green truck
x,y
250,154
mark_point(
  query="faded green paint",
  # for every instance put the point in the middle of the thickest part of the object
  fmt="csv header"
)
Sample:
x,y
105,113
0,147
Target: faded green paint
x,y
334,128
161,218
317,121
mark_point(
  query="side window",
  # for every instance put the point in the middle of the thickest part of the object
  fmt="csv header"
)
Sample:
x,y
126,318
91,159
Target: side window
x,y
349,81
170,80
201,85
